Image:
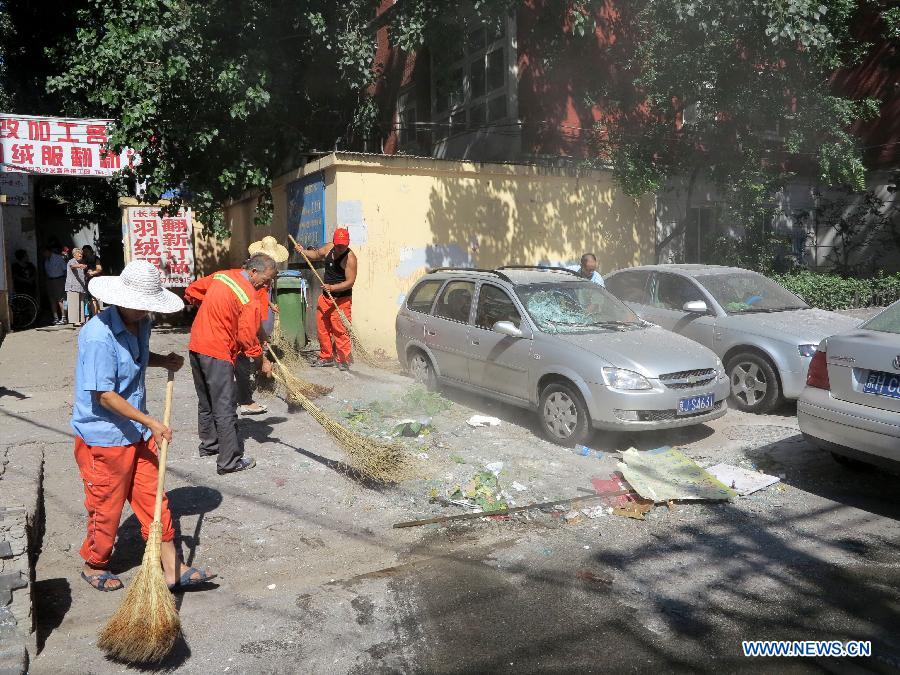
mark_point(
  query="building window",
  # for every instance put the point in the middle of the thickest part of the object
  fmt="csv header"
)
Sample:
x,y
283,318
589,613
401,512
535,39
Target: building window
x,y
406,121
471,82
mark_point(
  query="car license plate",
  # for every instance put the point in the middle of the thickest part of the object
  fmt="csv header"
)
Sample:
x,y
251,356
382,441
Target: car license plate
x,y
695,404
882,384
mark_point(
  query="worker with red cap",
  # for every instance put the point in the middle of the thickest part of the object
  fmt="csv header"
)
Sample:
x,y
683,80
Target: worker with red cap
x,y
339,277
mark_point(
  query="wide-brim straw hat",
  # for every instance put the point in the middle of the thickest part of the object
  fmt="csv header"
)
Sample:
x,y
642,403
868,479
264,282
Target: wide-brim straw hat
x,y
138,287
269,246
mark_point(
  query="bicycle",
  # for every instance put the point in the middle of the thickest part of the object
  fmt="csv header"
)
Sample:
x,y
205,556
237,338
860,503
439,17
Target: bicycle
x,y
23,310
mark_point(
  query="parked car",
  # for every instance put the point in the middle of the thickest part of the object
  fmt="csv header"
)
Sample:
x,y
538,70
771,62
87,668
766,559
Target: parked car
x,y
851,404
548,340
765,335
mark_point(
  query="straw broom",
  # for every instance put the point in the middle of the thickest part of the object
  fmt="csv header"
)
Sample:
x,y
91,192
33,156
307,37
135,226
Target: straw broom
x,y
358,347
379,462
146,625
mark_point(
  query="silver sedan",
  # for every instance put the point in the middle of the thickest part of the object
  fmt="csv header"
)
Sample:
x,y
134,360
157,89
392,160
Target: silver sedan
x,y
851,405
553,342
765,335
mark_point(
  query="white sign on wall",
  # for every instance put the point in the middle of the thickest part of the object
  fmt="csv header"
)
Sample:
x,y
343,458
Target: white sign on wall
x,y
58,145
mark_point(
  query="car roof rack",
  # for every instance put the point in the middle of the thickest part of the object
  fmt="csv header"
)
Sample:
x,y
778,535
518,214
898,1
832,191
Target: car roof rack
x,y
471,269
539,267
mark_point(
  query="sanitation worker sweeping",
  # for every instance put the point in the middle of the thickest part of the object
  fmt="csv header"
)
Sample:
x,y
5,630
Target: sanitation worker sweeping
x,y
120,451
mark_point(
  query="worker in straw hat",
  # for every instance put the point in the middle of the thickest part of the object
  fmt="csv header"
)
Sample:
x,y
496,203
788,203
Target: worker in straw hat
x,y
116,439
339,277
246,367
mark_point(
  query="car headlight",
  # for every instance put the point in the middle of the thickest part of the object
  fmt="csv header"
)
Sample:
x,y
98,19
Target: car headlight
x,y
808,350
626,380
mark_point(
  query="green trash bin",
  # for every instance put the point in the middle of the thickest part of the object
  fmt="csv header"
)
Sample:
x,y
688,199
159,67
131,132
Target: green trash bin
x,y
290,296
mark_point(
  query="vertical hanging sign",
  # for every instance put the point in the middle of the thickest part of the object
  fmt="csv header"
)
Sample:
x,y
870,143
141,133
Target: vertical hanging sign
x,y
165,241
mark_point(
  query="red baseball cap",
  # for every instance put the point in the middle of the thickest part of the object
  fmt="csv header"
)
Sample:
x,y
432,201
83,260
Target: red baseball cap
x,y
341,237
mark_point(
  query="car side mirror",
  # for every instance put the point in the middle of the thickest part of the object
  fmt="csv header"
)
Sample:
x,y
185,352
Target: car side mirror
x,y
696,307
507,328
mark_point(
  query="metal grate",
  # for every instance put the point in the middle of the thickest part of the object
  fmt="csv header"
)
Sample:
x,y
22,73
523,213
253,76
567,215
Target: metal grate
x,y
665,415
688,379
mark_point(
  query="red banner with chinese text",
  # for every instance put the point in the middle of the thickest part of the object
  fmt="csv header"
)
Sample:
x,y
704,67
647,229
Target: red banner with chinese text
x,y
165,241
58,145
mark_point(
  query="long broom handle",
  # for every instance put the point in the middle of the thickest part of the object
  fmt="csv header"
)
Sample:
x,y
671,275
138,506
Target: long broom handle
x,y
299,250
164,450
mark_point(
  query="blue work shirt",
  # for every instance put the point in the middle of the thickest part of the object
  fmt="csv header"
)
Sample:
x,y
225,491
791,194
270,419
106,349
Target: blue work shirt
x,y
597,278
110,358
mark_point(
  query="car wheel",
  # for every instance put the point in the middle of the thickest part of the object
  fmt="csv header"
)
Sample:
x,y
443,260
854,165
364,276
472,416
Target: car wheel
x,y
754,384
422,371
563,414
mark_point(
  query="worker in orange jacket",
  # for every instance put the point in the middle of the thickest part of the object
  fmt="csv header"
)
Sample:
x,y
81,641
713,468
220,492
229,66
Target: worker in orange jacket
x,y
226,325
339,277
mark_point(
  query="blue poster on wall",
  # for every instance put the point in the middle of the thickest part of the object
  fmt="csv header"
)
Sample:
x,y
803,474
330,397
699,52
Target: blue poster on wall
x,y
306,210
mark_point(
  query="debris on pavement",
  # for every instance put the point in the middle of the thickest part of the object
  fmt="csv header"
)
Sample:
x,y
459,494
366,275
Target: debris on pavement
x,y
585,451
614,482
412,428
494,467
573,517
665,474
482,421
636,510
483,490
593,577
515,509
597,511
518,487
745,482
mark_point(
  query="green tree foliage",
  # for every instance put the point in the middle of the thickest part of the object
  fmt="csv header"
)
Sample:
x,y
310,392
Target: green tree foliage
x,y
218,97
750,81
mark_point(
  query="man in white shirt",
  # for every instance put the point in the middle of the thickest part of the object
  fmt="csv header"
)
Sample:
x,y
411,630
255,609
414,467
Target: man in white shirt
x,y
588,269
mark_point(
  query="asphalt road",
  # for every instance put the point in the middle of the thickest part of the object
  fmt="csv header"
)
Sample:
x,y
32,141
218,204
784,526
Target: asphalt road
x,y
314,579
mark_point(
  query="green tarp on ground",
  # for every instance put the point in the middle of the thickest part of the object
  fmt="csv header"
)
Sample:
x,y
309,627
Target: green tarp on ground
x,y
665,474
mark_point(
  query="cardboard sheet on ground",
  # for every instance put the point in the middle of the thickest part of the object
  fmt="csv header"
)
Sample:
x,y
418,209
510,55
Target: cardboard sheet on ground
x,y
744,481
666,474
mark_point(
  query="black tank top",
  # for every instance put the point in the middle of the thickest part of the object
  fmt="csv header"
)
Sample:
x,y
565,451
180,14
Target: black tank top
x,y
335,273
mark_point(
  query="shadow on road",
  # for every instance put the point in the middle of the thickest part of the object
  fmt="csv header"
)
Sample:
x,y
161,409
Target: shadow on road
x,y
183,501
52,600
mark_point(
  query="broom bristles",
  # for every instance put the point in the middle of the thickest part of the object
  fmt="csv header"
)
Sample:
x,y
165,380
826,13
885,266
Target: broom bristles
x,y
146,625
379,462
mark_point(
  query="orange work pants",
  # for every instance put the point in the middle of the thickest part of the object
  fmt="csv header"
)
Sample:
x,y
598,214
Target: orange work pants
x,y
330,327
112,475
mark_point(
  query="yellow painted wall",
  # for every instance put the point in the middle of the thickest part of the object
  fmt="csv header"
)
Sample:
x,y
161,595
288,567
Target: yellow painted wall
x,y
428,214
419,213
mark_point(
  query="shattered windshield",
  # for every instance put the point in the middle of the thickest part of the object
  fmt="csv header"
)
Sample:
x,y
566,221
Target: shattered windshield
x,y
575,307
749,292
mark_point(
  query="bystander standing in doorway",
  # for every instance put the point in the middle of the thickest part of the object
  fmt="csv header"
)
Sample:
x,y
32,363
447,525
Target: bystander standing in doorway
x,y
55,271
93,269
76,288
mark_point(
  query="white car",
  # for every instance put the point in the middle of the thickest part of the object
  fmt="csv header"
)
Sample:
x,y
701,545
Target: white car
x,y
851,403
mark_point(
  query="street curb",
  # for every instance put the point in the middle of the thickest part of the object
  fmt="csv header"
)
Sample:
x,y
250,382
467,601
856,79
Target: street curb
x,y
21,535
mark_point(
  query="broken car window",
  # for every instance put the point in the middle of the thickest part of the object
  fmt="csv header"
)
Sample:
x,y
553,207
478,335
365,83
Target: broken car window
x,y
575,307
